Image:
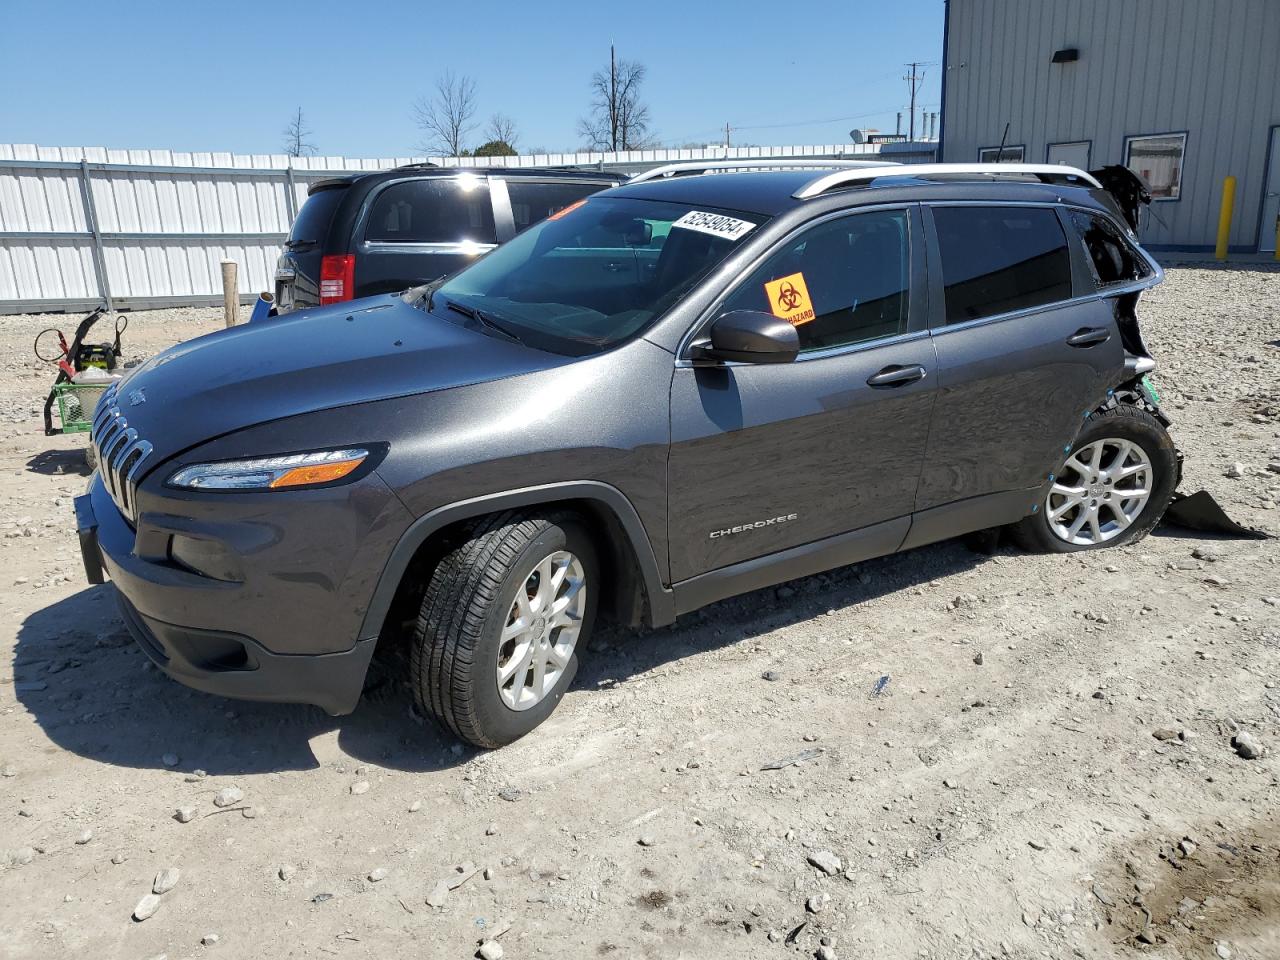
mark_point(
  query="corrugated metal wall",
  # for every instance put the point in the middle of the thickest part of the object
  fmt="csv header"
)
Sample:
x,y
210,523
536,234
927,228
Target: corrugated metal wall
x,y
153,225
1207,67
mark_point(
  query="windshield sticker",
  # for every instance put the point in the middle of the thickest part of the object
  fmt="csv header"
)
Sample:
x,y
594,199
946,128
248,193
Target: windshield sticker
x,y
789,299
565,211
718,225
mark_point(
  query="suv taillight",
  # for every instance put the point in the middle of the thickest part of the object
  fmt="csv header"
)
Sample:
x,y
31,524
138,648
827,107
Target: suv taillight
x,y
337,278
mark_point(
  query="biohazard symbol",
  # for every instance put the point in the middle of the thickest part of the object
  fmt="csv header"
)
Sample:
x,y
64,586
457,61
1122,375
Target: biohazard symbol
x,y
789,299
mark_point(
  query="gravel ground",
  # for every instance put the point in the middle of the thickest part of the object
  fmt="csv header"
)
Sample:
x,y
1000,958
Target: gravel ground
x,y
1049,771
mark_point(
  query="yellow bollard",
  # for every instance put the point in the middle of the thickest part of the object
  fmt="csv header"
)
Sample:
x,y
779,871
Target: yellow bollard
x,y
1224,217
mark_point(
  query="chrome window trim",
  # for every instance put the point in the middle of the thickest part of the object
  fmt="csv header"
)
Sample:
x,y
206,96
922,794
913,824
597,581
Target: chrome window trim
x,y
395,246
824,354
731,285
1100,294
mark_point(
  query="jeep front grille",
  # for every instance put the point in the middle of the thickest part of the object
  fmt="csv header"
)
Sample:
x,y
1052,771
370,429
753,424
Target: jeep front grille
x,y
121,452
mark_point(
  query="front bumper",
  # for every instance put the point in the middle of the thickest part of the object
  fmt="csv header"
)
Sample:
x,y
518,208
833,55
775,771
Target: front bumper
x,y
234,666
256,640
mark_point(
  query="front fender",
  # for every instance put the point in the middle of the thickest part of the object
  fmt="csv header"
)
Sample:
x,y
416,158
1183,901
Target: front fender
x,y
661,603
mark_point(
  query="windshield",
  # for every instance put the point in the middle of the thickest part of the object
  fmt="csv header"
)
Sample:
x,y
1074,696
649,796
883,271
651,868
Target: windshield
x,y
596,273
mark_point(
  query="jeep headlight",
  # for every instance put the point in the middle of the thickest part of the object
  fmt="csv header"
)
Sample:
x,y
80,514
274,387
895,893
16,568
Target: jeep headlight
x,y
272,473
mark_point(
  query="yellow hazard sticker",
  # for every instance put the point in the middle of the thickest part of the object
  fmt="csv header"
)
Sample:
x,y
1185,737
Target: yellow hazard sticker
x,y
789,299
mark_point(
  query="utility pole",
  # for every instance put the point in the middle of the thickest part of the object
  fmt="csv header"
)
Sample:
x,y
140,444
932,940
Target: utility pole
x,y
913,82
726,136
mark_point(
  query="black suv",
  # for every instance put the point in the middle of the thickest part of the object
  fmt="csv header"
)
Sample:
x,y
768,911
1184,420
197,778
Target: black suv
x,y
679,390
382,232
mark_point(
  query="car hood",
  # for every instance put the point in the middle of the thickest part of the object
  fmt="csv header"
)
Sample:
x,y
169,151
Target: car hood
x,y
318,359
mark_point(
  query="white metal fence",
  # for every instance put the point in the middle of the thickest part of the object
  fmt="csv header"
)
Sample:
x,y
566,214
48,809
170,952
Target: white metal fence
x,y
80,226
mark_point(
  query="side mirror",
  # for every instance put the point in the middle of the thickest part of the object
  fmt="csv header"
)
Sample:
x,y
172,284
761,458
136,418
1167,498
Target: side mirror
x,y
749,336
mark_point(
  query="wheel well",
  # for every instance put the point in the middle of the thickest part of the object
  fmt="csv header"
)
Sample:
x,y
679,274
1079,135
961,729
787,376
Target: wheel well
x,y
623,599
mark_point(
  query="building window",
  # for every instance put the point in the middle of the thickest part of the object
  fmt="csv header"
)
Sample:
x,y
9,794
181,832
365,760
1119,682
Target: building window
x,y
1158,160
1002,154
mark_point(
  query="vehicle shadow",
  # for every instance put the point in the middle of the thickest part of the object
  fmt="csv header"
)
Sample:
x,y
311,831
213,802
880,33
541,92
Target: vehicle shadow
x,y
619,653
93,692
56,463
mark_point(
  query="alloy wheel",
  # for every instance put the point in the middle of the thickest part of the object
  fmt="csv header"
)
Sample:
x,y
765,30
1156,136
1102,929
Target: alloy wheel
x,y
541,630
1102,490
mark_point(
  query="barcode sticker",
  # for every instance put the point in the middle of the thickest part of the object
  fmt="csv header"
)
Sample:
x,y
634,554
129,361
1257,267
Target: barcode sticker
x,y
716,224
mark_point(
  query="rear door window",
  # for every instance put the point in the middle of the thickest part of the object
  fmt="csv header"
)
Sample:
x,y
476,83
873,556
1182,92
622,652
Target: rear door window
x,y
999,259
534,200
435,210
842,282
1111,257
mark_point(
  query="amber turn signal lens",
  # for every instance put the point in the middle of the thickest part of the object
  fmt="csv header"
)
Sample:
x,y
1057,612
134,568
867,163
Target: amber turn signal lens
x,y
319,473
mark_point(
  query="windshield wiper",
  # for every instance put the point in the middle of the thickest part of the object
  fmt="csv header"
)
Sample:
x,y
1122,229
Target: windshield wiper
x,y
474,314
420,292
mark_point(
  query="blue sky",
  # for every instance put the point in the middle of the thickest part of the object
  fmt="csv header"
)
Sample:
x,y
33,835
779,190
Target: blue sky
x,y
189,75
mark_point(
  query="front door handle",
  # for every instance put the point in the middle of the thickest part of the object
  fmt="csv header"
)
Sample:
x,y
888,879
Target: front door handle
x,y
1089,336
896,376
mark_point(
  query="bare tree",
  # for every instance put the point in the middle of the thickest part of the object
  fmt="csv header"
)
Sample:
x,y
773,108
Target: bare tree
x,y
502,129
295,135
618,119
446,119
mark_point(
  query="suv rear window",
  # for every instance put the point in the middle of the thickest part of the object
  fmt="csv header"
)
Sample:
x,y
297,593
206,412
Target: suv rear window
x,y
435,210
312,222
999,259
1112,259
534,200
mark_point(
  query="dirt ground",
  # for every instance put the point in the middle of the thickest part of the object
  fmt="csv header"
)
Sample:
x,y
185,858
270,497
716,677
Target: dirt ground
x,y
1048,772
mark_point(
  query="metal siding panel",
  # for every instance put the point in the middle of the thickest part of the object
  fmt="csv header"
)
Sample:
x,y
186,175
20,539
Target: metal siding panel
x,y
8,280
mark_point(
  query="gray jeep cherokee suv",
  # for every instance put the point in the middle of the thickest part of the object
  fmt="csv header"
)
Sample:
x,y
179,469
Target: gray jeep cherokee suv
x,y
678,390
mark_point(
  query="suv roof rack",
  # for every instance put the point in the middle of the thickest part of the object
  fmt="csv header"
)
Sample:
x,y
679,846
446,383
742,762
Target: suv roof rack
x,y
698,167
1044,172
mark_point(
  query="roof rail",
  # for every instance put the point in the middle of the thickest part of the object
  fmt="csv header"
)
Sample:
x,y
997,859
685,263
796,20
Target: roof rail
x,y
1044,172
697,167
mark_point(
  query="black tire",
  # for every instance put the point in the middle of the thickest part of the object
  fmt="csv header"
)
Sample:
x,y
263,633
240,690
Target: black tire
x,y
1126,422
454,653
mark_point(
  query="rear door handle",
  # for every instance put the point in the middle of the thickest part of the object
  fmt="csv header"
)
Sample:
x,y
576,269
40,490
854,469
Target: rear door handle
x,y
896,376
1089,336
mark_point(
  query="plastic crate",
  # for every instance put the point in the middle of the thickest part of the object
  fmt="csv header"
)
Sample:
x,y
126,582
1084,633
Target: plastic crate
x,y
76,404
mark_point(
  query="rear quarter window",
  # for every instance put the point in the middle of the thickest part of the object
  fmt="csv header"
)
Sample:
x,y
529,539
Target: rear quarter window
x,y
1112,259
532,201
437,210
1000,259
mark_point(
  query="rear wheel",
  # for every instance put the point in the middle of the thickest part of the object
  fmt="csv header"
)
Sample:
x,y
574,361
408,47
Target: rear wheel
x,y
1111,489
503,618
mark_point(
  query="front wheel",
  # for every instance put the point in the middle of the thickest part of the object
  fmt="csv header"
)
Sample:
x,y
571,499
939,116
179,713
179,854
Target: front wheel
x,y
1112,488
501,623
